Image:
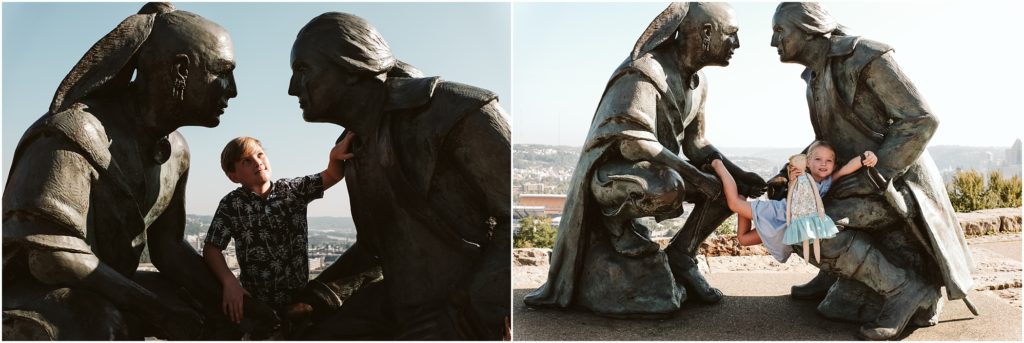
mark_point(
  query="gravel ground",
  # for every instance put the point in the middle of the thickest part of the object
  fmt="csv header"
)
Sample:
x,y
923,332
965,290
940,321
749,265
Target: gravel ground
x,y
994,272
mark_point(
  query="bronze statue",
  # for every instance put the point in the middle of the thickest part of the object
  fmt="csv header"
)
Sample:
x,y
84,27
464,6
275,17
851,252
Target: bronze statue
x,y
429,188
102,174
651,111
901,241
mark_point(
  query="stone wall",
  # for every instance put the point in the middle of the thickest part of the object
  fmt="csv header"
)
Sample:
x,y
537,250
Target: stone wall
x,y
977,223
989,222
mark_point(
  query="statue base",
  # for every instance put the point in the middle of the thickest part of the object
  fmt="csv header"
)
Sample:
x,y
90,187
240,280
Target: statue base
x,y
614,285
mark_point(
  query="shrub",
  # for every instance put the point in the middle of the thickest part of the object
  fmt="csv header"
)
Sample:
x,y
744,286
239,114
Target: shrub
x,y
969,191
535,232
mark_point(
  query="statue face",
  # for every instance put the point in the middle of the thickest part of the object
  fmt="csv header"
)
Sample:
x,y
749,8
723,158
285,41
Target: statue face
x,y
317,81
724,39
211,80
787,39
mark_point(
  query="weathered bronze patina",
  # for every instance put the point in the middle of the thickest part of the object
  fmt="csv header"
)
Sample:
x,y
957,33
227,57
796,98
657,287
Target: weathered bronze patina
x,y
102,174
641,159
901,241
429,189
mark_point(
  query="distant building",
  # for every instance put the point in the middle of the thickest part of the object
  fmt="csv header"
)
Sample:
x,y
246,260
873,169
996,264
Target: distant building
x,y
552,203
533,188
316,263
1013,154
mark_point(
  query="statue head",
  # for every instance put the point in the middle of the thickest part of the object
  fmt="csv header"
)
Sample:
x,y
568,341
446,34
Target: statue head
x,y
183,65
339,65
797,23
710,33
185,70
701,34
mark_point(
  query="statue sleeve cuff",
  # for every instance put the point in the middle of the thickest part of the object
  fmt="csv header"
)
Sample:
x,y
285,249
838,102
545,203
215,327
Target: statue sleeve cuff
x,y
320,296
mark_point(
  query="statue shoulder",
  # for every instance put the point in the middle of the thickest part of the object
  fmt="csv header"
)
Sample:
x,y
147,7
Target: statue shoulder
x,y
180,153
79,126
648,67
464,92
872,47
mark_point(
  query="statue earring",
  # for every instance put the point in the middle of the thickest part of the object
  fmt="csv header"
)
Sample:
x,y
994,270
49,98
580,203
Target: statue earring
x,y
707,44
178,90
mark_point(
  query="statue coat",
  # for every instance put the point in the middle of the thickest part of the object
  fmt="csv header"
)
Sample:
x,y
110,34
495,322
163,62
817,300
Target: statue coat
x,y
430,201
638,104
872,105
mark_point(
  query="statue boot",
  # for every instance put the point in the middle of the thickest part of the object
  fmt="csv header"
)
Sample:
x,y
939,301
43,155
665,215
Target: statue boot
x,y
816,289
906,293
684,269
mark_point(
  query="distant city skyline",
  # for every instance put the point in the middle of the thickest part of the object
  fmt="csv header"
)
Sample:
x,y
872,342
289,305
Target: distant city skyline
x,y
42,41
959,56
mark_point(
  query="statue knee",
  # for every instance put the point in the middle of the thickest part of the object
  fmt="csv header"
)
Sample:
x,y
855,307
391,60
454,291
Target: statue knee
x,y
862,213
67,314
637,189
60,267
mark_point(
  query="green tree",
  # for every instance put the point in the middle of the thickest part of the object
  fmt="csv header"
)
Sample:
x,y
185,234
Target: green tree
x,y
535,232
1004,192
967,192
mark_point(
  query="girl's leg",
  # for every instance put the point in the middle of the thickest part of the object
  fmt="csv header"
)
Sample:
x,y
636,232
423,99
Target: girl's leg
x,y
807,252
744,234
736,202
817,250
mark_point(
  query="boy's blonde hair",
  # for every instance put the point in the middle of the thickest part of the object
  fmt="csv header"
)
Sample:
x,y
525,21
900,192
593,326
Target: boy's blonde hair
x,y
234,151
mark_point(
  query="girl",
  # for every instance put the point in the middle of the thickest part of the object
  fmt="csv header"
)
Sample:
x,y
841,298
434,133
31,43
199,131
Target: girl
x,y
770,215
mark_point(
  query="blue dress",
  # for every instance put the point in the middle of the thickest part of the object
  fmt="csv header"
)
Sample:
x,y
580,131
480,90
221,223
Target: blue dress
x,y
770,223
805,222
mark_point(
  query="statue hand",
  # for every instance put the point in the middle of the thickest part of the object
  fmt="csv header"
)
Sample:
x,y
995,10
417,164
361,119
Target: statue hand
x,y
777,187
751,185
853,185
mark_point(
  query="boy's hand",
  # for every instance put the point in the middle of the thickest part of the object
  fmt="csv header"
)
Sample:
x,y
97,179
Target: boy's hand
x,y
868,159
340,152
232,304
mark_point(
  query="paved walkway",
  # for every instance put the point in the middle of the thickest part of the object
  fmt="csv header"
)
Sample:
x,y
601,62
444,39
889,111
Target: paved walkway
x,y
758,307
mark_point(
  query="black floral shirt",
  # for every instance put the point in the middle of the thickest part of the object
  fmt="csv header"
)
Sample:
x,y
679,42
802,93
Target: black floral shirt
x,y
270,236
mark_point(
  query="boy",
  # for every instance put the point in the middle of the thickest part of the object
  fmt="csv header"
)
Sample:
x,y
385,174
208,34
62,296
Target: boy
x,y
267,220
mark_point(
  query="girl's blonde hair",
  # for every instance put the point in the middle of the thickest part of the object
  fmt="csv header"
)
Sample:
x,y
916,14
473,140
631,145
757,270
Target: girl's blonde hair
x,y
820,144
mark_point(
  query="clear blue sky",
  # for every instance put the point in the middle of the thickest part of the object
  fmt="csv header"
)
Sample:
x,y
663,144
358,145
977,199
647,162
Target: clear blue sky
x,y
962,56
463,42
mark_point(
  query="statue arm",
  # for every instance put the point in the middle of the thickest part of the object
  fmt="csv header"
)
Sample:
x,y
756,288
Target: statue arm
x,y
912,121
697,148
52,186
639,99
481,145
483,151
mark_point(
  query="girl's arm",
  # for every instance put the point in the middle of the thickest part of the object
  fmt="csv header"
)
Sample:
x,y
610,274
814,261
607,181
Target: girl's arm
x,y
855,164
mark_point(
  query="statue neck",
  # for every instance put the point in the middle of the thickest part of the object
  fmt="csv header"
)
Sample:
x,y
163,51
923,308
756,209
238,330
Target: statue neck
x,y
151,122
815,54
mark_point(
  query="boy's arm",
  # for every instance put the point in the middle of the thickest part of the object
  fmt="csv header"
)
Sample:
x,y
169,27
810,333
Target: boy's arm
x,y
854,165
336,162
233,292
